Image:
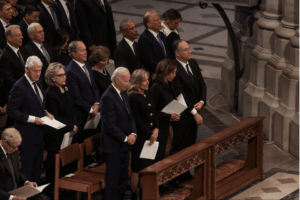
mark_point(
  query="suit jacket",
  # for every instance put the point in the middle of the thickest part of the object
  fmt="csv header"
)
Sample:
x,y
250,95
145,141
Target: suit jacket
x,y
84,93
34,51
23,102
102,81
125,57
11,67
72,29
96,25
23,26
6,181
151,51
3,40
193,89
117,122
61,106
47,22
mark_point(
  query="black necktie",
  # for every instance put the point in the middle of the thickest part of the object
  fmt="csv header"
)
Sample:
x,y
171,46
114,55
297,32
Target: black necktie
x,y
20,57
7,25
134,47
190,73
123,94
12,170
101,4
37,93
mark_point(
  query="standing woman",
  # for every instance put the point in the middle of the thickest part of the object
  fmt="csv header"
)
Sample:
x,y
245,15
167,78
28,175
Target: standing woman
x,y
17,12
170,23
60,103
143,110
59,45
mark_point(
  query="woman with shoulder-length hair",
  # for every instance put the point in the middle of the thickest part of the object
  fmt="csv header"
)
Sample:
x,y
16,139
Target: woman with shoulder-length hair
x,y
60,104
143,110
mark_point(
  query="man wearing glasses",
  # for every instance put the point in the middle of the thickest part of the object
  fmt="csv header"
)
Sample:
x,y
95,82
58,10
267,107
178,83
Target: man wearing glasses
x,y
11,176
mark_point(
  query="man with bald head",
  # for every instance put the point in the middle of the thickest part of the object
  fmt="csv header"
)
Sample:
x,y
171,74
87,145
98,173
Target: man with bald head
x,y
9,164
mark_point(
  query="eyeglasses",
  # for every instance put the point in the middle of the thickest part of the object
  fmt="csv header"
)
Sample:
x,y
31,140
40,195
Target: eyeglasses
x,y
62,75
12,146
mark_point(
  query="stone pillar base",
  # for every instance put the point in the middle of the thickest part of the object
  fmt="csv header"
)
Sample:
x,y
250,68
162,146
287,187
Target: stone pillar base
x,y
252,96
294,136
227,80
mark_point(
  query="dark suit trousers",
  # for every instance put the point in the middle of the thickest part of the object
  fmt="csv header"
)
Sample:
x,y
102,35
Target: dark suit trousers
x,y
116,175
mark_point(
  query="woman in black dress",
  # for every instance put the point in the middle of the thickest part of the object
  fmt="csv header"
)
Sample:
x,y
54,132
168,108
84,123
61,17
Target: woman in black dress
x,y
60,104
170,23
17,12
142,105
59,44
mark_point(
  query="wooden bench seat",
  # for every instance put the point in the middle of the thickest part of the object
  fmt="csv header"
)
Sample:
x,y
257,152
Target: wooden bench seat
x,y
227,168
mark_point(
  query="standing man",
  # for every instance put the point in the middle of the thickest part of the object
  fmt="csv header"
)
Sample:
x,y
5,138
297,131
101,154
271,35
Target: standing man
x,y
5,17
9,164
82,87
37,47
96,24
118,132
127,53
152,42
26,105
31,15
12,63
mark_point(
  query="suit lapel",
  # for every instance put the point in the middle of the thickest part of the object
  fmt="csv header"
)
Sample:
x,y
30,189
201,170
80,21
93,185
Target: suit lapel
x,y
185,74
98,4
38,52
154,40
128,48
30,89
5,161
81,72
15,57
117,96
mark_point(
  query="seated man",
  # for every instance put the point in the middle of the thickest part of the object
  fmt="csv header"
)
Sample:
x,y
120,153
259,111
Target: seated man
x,y
9,164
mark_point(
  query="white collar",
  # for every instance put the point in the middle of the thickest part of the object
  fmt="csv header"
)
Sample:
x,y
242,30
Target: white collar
x,y
4,23
118,91
166,29
79,63
37,44
29,80
129,41
25,22
153,33
182,63
13,48
3,150
63,2
46,6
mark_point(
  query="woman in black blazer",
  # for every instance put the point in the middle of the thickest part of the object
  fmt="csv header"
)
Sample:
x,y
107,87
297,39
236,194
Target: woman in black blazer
x,y
170,23
143,110
17,12
60,104
59,45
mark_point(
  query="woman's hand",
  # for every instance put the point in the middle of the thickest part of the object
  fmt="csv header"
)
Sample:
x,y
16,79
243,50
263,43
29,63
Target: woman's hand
x,y
175,117
75,129
154,136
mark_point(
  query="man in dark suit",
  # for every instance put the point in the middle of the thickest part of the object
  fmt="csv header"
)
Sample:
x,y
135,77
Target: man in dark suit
x,y
67,18
12,63
82,87
39,48
9,164
96,24
118,132
49,18
152,42
26,105
31,15
127,53
5,17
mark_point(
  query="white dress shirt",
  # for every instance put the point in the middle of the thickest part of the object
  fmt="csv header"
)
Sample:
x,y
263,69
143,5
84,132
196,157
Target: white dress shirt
x,y
64,5
31,118
4,24
119,93
14,49
130,43
48,9
39,47
194,111
166,30
155,35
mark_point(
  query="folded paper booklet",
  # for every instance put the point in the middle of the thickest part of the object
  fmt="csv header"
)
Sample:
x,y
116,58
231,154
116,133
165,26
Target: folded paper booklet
x,y
67,141
53,123
92,123
149,152
28,191
175,106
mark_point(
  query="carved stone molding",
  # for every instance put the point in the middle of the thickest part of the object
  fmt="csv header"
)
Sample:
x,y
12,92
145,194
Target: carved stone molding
x,y
236,140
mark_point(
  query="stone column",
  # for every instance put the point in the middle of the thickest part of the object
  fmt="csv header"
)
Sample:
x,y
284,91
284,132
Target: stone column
x,y
278,62
285,127
260,55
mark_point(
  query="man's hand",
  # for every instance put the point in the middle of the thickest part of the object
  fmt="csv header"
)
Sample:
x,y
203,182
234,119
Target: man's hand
x,y
198,118
38,121
3,111
175,117
198,105
75,129
91,48
95,110
131,139
18,198
154,136
49,115
33,184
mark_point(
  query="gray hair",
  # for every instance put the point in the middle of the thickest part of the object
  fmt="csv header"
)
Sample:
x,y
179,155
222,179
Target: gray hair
x,y
33,60
31,27
118,73
51,72
11,135
9,30
73,47
175,45
146,17
123,24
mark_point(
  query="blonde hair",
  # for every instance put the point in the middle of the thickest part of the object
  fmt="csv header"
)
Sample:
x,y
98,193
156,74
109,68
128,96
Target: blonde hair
x,y
136,80
51,72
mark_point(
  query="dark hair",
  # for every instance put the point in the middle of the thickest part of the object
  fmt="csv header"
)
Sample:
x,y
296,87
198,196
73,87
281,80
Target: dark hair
x,y
3,3
176,44
100,53
172,14
59,38
30,9
163,69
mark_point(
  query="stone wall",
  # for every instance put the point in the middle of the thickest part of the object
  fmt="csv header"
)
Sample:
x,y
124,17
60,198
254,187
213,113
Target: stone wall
x,y
268,39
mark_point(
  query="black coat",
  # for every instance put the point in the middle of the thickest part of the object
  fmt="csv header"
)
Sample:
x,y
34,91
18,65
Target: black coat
x,y
62,57
102,81
11,68
170,39
3,40
23,26
125,57
6,181
19,17
61,106
96,25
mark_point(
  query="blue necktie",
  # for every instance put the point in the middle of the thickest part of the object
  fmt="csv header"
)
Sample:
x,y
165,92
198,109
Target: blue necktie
x,y
161,44
54,18
37,93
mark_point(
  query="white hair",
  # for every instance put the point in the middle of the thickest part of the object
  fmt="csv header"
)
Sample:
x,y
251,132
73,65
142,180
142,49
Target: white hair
x,y
11,135
33,60
118,73
31,27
